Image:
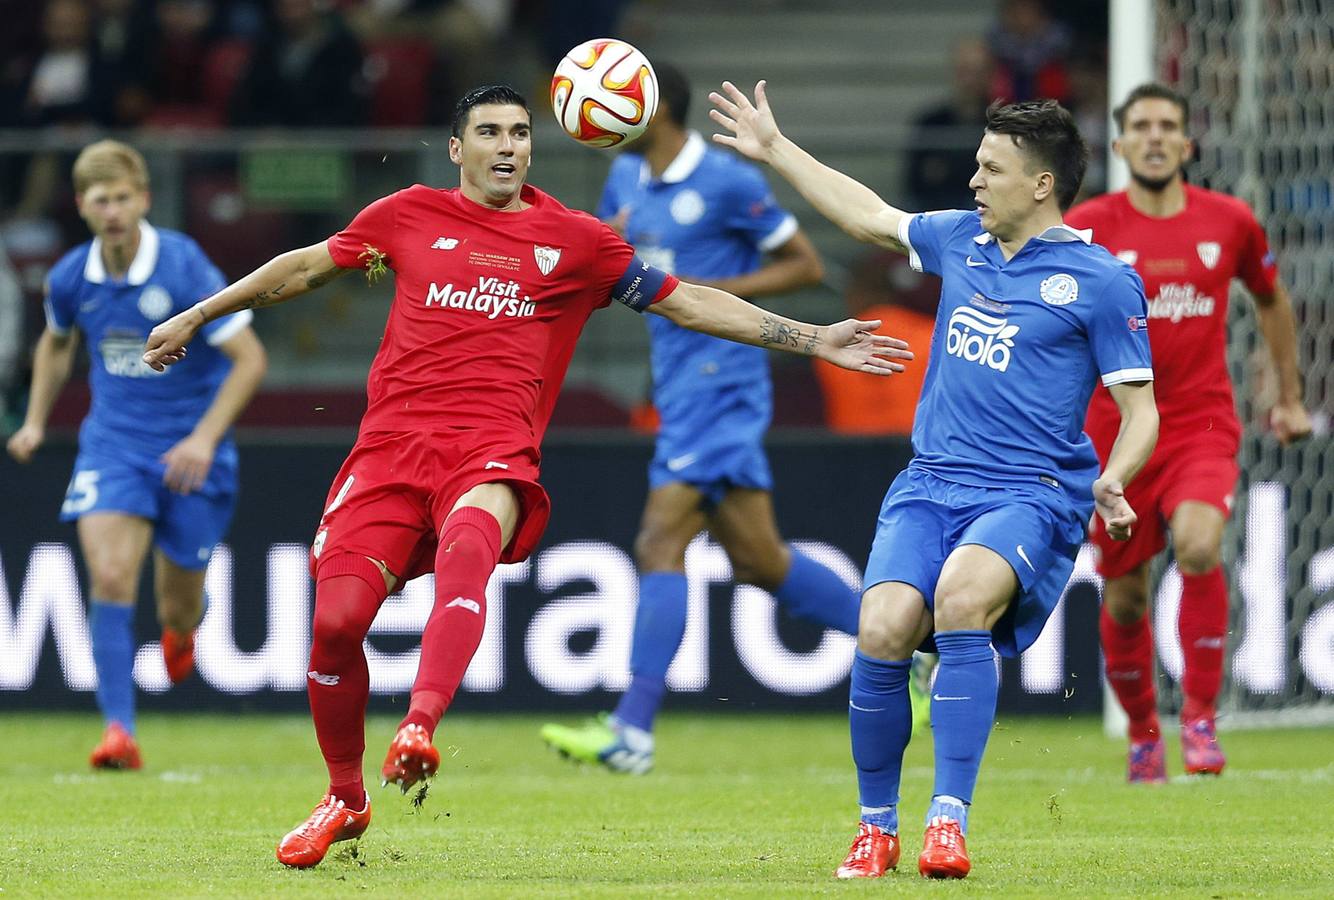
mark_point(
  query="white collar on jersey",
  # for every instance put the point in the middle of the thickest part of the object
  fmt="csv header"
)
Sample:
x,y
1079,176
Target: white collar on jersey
x,y
1056,234
145,261
686,162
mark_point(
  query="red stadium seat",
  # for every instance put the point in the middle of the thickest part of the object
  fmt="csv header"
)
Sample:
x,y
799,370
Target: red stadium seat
x,y
223,70
399,71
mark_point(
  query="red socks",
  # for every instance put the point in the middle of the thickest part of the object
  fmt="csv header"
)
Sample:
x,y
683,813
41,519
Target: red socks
x,y
467,555
338,682
1128,650
1202,625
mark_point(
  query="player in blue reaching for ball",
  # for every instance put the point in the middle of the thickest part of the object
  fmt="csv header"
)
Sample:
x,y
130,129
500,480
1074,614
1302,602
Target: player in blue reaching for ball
x,y
977,537
708,217
156,463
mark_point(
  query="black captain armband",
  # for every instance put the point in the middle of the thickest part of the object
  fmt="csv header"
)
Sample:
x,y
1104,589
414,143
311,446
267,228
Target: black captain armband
x,y
639,285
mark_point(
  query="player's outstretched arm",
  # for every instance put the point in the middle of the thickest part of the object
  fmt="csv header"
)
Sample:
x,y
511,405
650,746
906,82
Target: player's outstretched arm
x,y
851,344
52,363
846,202
1134,444
1289,418
286,276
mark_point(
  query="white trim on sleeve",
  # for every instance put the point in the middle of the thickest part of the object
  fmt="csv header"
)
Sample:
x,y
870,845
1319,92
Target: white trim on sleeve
x,y
913,259
237,321
1121,376
51,325
780,235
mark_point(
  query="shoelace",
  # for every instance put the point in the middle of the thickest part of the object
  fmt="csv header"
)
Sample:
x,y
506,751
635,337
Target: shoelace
x,y
947,833
862,846
323,815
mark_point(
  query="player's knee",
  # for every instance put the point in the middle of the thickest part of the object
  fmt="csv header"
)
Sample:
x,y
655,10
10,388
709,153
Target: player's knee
x,y
655,551
180,613
337,627
113,579
760,571
880,636
1126,607
961,610
1196,557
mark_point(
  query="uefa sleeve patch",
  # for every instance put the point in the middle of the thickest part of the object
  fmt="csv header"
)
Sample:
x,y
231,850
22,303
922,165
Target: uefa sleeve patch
x,y
639,285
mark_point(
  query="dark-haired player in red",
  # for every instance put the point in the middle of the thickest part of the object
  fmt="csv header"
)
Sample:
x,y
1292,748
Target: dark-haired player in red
x,y
1187,243
494,282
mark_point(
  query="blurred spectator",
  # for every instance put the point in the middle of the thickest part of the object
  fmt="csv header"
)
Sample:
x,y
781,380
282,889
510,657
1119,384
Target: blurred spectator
x,y
563,24
54,86
1031,49
943,154
184,32
306,71
1088,104
121,34
883,287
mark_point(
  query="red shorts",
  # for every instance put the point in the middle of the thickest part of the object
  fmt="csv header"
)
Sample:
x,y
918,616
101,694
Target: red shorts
x,y
1155,494
391,498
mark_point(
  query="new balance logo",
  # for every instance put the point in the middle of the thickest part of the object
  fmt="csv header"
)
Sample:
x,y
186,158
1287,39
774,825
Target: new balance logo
x,y
980,338
492,464
470,605
444,243
318,678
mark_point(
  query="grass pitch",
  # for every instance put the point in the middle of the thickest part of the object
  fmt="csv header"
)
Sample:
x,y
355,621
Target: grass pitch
x,y
753,806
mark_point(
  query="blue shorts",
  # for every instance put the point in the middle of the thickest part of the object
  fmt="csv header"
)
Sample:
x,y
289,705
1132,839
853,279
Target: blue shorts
x,y
1037,530
715,443
185,528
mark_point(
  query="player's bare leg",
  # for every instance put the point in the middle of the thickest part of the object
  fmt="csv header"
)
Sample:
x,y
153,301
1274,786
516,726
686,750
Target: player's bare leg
x,y
1127,645
477,529
180,607
114,547
894,621
623,740
976,586
1197,538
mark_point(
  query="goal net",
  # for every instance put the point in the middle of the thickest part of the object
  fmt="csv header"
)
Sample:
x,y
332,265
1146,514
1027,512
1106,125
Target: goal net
x,y
1260,78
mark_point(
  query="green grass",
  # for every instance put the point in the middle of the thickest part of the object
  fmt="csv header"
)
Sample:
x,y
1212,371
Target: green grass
x,y
744,806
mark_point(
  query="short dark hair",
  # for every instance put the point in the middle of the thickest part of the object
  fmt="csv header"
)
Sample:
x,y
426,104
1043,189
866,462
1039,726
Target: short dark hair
x,y
1045,132
487,94
1152,90
674,90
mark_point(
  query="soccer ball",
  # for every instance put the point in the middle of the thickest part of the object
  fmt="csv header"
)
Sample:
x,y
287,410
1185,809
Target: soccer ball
x,y
604,93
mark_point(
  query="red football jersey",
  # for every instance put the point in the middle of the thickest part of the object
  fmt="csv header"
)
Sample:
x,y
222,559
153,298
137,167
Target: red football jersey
x,y
1187,262
487,306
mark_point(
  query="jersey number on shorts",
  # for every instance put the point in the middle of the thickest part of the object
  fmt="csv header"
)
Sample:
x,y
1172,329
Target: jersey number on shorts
x,y
81,494
341,495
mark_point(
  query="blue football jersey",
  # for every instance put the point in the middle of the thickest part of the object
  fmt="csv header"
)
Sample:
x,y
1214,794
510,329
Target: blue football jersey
x,y
710,216
1017,349
137,413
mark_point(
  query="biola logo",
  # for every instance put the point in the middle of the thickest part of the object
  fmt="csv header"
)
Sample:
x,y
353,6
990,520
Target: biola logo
x,y
980,338
490,296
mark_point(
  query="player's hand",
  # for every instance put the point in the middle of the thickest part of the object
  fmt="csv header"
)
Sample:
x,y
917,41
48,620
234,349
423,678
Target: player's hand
x,y
166,343
753,127
853,344
1290,422
188,463
1110,500
24,442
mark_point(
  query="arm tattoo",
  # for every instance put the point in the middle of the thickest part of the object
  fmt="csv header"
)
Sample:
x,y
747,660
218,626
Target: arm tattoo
x,y
773,331
320,279
266,298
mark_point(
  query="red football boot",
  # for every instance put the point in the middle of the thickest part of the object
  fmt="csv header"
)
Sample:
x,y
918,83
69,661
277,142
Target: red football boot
x,y
944,854
1146,762
410,758
305,845
116,751
1199,748
178,652
873,852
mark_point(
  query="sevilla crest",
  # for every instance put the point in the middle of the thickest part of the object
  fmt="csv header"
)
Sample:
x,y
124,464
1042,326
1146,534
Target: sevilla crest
x,y
547,257
1210,252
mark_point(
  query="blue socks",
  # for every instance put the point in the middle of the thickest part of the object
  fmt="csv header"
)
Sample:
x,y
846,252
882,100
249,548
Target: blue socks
x,y
113,655
660,625
813,592
880,720
963,710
